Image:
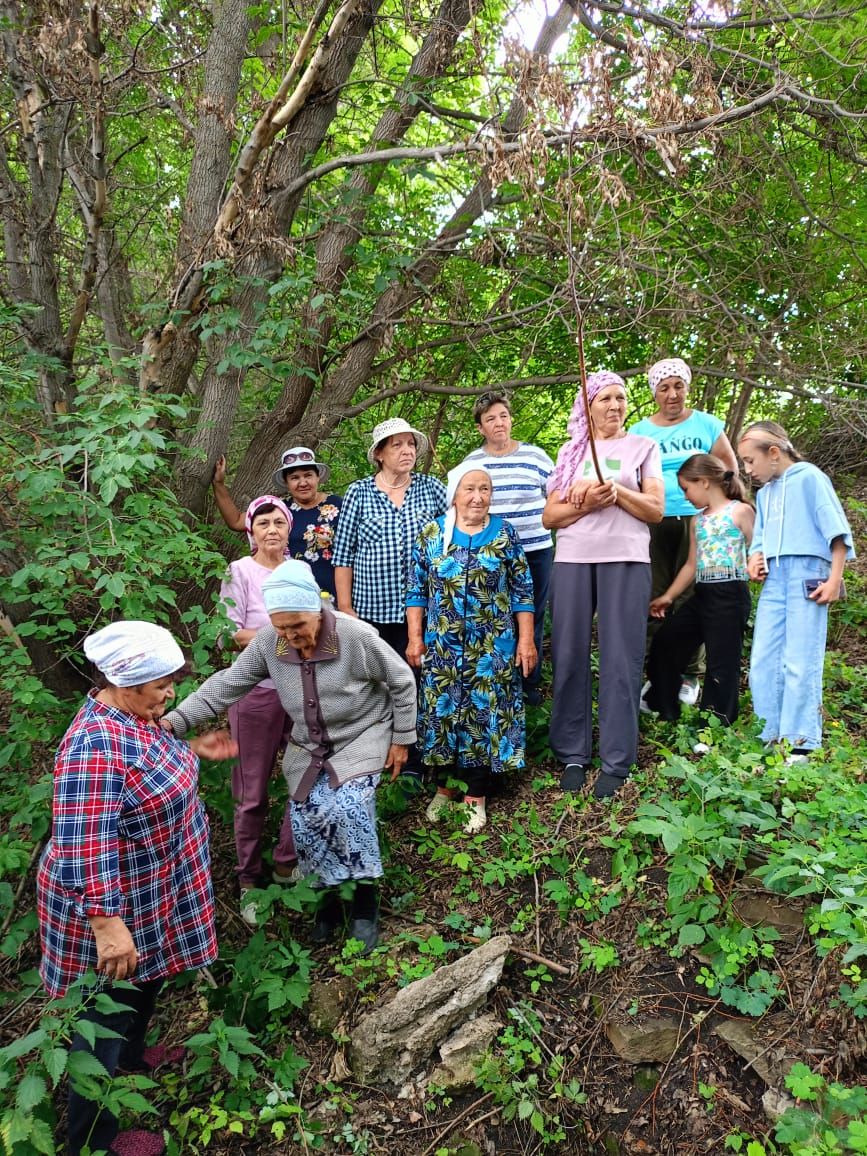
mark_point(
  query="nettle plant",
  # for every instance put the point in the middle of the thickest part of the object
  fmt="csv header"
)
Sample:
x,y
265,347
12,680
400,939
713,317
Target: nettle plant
x,y
799,829
99,537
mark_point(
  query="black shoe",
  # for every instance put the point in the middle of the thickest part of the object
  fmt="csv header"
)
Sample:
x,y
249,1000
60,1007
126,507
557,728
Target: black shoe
x,y
366,931
573,777
607,785
329,917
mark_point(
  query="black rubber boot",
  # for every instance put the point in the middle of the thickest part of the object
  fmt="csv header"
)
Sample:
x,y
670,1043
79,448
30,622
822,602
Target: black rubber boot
x,y
329,917
573,777
364,918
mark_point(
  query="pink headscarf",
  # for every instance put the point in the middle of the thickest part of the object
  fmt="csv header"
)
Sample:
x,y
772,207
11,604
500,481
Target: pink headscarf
x,y
668,367
572,454
257,504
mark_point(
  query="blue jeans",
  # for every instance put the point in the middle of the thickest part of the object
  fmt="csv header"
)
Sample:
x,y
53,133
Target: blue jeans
x,y
789,652
540,563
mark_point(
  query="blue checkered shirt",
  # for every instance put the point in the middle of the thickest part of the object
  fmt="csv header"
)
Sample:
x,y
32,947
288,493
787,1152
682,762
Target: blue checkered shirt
x,y
376,538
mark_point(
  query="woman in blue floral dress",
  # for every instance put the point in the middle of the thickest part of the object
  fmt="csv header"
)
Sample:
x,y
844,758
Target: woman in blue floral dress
x,y
470,575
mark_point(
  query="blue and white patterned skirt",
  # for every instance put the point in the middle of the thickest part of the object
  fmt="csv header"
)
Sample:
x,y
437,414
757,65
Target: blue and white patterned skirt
x,y
335,831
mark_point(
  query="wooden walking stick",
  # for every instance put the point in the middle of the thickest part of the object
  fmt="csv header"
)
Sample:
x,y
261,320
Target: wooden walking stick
x,y
579,321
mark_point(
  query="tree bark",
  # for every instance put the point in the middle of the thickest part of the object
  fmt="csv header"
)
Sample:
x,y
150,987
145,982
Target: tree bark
x,y
170,349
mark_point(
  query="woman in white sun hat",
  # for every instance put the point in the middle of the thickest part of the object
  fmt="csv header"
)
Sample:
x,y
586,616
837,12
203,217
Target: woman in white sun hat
x,y
379,523
380,520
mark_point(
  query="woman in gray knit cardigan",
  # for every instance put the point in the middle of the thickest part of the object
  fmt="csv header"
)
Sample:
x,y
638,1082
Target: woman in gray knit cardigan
x,y
352,702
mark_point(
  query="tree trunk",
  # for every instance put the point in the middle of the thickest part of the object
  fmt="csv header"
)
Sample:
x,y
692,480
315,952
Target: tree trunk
x,y
295,418
170,349
220,392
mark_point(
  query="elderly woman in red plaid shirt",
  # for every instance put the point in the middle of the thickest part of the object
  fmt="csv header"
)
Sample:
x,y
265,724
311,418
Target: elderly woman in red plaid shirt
x,y
124,884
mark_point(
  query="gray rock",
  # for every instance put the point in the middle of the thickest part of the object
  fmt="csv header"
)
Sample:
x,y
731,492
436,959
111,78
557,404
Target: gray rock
x,y
651,1041
462,1052
764,1044
758,908
776,1103
392,1041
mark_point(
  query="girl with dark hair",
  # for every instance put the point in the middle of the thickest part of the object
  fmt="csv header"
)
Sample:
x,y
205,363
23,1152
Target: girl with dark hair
x,y
717,612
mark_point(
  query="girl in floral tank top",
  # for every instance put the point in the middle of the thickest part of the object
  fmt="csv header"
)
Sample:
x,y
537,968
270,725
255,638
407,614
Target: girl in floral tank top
x,y
718,611
721,547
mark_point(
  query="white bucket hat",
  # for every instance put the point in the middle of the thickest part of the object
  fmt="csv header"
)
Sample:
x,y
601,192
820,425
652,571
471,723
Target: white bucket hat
x,y
299,458
389,429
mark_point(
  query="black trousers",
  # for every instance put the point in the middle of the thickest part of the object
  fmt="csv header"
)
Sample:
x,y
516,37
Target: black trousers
x,y
476,778
397,637
540,563
669,548
88,1125
716,615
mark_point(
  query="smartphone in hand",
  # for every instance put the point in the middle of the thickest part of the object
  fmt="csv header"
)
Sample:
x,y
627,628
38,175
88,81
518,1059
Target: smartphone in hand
x,y
811,585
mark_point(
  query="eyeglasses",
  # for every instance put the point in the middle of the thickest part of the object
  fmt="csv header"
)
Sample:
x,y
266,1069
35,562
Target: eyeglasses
x,y
304,456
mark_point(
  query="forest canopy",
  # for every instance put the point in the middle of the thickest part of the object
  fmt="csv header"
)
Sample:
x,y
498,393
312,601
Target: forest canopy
x,y
228,228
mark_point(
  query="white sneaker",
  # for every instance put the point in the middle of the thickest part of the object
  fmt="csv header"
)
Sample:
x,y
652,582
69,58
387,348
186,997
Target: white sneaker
x,y
642,702
248,911
796,757
436,807
478,818
700,748
689,691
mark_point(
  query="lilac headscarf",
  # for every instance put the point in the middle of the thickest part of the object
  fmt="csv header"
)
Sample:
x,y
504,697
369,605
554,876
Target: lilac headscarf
x,y
257,504
572,454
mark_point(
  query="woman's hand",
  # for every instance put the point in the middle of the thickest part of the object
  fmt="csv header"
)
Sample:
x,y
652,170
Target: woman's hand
x,y
116,956
600,495
415,651
396,759
219,476
757,567
216,745
577,492
526,656
660,605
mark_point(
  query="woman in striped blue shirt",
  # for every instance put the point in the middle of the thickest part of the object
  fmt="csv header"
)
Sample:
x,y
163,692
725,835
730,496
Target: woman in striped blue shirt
x,y
520,472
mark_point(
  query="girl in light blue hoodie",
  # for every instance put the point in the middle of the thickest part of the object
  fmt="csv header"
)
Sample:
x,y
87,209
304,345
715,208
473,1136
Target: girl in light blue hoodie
x,y
800,544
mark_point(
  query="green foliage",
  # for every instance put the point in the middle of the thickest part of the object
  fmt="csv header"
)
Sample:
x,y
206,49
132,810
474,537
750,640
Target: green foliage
x,y
527,1080
103,532
829,1118
33,1066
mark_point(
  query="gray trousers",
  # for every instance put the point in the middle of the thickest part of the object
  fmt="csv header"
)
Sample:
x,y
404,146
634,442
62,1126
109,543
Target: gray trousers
x,y
619,594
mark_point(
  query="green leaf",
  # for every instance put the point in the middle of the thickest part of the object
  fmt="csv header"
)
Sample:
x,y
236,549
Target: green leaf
x,y
84,1063
32,1090
24,1045
55,1063
803,1083
691,935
